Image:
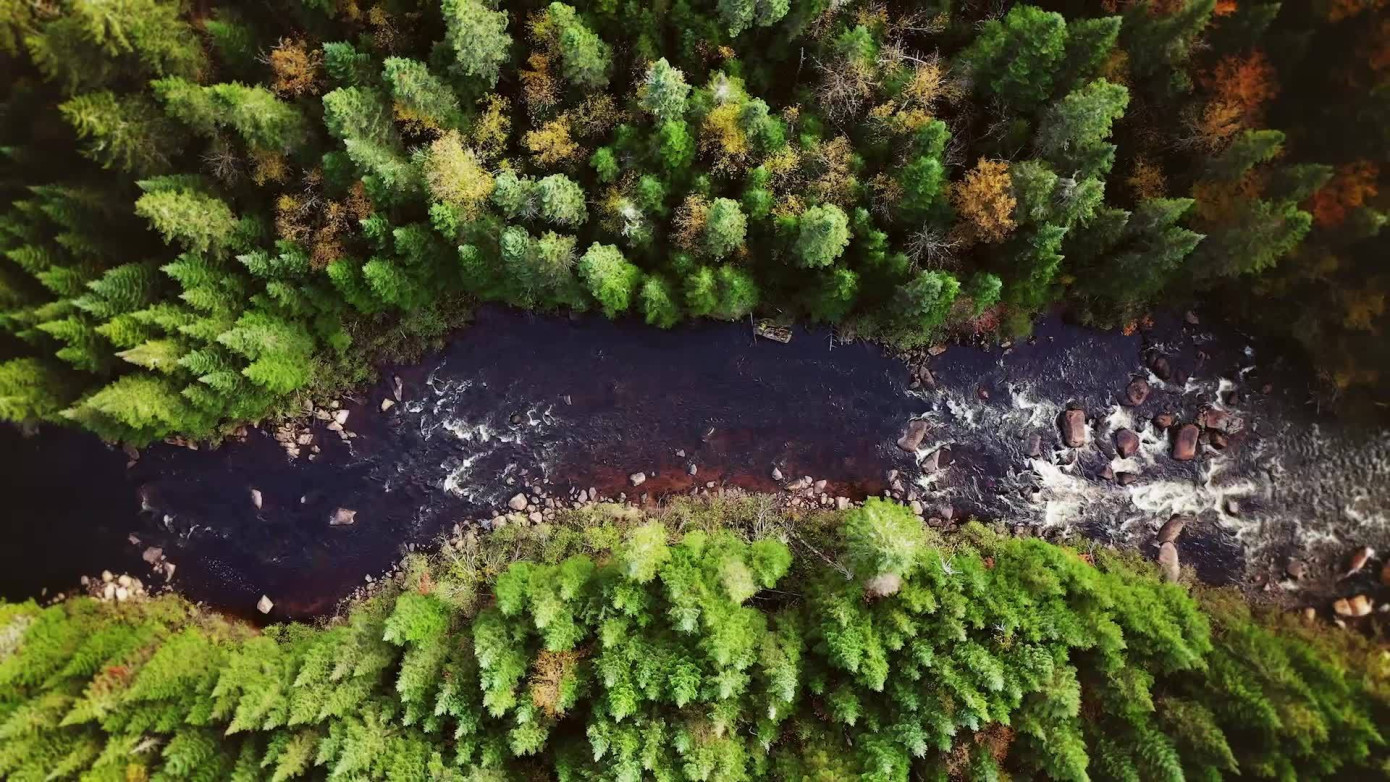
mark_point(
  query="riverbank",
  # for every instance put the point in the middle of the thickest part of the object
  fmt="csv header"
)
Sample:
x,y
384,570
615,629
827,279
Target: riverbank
x,y
566,646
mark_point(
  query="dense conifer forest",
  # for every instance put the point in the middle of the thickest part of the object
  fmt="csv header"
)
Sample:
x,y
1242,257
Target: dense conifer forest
x,y
209,207
719,642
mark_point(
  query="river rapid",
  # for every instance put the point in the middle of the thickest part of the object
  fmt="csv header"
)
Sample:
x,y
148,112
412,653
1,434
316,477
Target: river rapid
x,y
581,403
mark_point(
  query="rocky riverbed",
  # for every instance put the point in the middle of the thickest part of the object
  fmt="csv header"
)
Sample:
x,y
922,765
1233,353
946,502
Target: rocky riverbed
x,y
1074,432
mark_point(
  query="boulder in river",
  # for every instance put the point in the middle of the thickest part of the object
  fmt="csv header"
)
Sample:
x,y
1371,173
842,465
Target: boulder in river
x,y
1185,444
913,437
1296,569
1163,421
776,474
1216,419
343,517
1126,478
517,502
1168,561
387,404
1035,447
936,460
341,417
1161,368
264,605
1127,443
1137,392
1171,529
1359,558
1073,425
256,498
637,478
1357,606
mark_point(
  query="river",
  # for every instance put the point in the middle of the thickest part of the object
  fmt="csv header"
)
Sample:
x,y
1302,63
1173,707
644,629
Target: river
x,y
583,402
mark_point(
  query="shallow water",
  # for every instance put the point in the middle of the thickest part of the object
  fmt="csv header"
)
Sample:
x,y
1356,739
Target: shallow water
x,y
584,402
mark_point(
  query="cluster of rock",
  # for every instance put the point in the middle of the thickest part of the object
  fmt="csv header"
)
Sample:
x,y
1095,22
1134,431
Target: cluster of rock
x,y
298,436
1361,604
806,492
1213,426
113,588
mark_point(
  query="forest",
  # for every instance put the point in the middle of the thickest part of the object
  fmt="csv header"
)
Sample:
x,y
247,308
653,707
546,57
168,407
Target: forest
x,y
715,642
213,209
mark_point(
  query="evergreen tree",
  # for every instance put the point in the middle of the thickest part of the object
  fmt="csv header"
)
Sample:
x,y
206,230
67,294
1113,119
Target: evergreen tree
x,y
822,235
610,278
128,133
478,36
663,92
1018,57
420,97
1072,133
725,228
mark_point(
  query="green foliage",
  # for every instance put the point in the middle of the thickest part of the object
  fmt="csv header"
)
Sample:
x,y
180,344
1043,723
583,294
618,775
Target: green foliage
x,y
610,278
585,59
128,133
478,36
822,233
693,648
420,96
663,92
725,228
1017,57
338,169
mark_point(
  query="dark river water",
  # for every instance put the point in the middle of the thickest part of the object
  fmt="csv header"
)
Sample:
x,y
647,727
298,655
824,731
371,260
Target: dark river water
x,y
585,402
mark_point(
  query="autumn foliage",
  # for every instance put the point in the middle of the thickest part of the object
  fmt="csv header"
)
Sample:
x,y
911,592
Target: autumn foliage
x,y
985,201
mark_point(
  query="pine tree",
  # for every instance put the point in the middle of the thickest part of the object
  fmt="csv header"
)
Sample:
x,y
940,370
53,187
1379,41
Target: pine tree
x,y
585,58
478,36
725,228
1018,57
1072,133
420,97
128,132
610,278
822,235
663,92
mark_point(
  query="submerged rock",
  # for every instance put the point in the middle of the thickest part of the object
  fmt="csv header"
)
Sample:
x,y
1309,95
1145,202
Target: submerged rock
x,y
343,517
1296,569
1126,443
1137,392
913,437
1219,420
1185,444
1163,421
1073,425
256,498
1161,368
